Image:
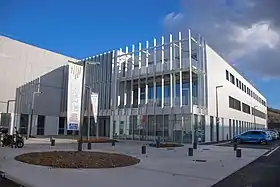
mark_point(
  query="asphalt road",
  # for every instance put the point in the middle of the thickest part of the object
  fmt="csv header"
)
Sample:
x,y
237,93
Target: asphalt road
x,y
263,172
4,182
269,145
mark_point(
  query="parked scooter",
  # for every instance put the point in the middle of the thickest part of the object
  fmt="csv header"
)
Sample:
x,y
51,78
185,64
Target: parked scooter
x,y
12,140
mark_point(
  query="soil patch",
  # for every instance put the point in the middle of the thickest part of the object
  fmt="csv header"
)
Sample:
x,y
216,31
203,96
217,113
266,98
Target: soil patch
x,y
77,159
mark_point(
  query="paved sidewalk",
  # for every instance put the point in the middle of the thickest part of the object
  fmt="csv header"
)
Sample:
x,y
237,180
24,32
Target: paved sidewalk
x,y
162,167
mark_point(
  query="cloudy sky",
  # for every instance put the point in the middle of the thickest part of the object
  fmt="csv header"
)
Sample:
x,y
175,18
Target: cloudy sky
x,y
245,32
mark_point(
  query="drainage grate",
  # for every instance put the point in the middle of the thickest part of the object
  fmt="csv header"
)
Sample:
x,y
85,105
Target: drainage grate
x,y
198,160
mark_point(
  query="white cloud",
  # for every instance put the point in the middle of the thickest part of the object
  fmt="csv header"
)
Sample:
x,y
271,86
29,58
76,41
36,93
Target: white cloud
x,y
173,18
246,33
252,39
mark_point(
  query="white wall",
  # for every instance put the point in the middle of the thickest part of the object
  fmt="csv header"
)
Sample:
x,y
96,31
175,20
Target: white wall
x,y
217,76
21,63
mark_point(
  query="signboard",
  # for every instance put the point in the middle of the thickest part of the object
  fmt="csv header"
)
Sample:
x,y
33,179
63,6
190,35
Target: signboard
x,y
94,103
142,122
75,79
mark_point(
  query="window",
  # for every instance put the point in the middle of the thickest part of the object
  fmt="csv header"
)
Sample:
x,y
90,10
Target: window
x,y
258,113
240,84
237,83
245,88
227,75
61,125
247,133
246,108
232,79
256,132
234,103
40,125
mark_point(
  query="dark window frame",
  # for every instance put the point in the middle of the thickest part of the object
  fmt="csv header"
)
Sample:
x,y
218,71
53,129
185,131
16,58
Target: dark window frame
x,y
227,75
246,108
232,78
234,103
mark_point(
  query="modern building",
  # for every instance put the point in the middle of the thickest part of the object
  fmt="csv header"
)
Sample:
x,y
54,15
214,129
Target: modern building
x,y
21,64
176,88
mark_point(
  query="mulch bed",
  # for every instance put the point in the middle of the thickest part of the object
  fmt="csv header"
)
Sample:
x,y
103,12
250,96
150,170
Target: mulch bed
x,y
98,140
166,145
75,159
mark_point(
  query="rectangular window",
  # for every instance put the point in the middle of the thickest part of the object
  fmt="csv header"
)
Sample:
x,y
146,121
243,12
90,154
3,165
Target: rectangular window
x,y
227,75
61,125
237,82
240,84
245,88
258,113
234,103
246,108
232,79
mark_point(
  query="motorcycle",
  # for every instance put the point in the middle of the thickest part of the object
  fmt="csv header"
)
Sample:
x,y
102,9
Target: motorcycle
x,y
12,140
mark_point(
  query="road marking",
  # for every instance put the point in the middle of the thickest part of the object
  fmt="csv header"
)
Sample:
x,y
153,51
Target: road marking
x,y
272,151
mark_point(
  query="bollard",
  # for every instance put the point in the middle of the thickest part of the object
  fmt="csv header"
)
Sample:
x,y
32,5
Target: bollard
x,y
113,143
234,146
52,142
143,149
190,151
89,146
238,153
158,142
195,145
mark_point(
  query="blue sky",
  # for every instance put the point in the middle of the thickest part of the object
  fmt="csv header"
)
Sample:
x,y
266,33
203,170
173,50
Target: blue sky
x,y
84,28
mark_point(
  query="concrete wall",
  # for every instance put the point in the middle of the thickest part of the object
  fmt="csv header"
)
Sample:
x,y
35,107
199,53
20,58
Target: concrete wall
x,y
217,76
52,102
22,63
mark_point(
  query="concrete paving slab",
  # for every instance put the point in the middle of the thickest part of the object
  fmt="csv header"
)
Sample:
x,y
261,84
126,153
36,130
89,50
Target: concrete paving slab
x,y
159,166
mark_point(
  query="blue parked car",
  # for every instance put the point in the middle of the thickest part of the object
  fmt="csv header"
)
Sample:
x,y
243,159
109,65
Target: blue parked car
x,y
253,136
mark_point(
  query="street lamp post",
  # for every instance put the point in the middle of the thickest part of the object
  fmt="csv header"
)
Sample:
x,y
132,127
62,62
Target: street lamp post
x,y
254,113
3,102
8,105
31,115
84,64
217,113
89,112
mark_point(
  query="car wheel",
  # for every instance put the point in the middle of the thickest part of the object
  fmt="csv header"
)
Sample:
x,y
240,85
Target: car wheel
x,y
238,141
263,142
